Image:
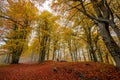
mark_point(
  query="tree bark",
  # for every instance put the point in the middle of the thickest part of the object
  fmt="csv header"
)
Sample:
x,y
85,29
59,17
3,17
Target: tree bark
x,y
15,57
54,49
18,46
70,50
100,54
90,44
43,49
103,13
43,42
48,51
7,59
110,43
115,28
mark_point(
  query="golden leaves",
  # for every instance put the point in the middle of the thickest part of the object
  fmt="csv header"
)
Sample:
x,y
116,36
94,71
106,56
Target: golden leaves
x,y
22,10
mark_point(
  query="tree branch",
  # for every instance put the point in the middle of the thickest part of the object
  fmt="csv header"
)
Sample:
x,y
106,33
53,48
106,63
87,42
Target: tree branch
x,y
89,16
5,17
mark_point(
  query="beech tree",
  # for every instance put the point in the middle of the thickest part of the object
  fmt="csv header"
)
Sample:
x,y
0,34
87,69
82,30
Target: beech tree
x,y
19,15
45,25
100,12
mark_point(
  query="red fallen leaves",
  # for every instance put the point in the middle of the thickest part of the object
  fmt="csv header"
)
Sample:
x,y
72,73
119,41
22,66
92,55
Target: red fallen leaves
x,y
63,71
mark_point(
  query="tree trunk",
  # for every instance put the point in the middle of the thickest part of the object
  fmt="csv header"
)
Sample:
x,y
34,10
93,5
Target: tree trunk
x,y
107,58
100,55
83,54
92,53
76,51
58,54
54,50
15,58
54,55
48,51
16,53
89,42
79,55
116,29
112,47
103,12
43,49
42,55
64,51
7,58
70,50
32,56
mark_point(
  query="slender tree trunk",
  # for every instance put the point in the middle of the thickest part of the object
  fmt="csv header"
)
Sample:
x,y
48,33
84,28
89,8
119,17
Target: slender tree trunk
x,y
88,55
79,59
107,58
43,49
54,55
76,51
94,58
59,54
89,42
100,55
64,51
54,49
70,50
48,52
32,56
83,54
43,42
7,59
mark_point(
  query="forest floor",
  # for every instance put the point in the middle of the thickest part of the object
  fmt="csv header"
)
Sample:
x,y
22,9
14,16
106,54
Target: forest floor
x,y
50,70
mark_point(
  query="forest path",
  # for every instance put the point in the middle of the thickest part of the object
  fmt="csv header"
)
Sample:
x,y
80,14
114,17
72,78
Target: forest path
x,y
50,70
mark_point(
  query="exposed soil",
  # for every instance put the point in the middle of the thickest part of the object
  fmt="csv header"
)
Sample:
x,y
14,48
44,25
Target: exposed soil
x,y
50,70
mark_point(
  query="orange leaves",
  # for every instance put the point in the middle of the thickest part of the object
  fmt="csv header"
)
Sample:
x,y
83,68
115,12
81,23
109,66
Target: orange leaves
x,y
65,71
22,10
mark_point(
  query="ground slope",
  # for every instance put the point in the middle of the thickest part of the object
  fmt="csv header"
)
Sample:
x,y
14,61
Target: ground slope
x,y
60,71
